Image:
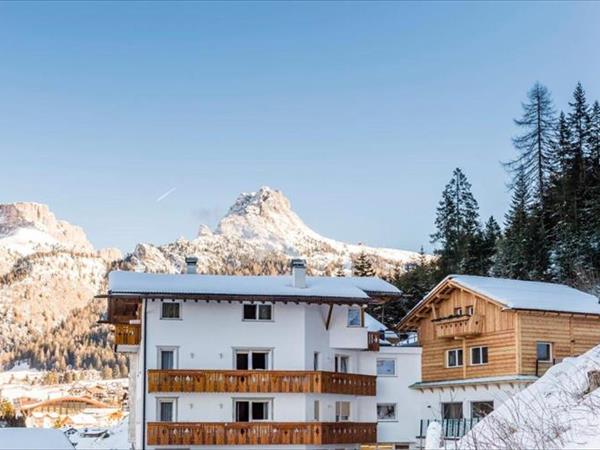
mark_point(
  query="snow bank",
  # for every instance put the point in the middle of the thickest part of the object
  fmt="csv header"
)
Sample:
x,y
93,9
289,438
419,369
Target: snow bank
x,y
560,410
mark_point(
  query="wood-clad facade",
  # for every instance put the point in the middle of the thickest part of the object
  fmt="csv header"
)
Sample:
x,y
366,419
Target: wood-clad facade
x,y
454,317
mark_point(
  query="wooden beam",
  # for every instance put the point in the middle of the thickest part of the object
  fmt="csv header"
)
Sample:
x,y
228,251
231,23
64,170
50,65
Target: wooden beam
x,y
329,314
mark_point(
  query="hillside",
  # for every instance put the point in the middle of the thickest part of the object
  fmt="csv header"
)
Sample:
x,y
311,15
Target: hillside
x,y
50,272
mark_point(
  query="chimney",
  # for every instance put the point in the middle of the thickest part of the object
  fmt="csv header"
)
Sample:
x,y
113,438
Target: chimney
x,y
191,263
298,273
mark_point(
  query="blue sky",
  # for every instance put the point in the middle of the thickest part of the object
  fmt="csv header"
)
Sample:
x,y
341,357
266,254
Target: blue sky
x,y
357,111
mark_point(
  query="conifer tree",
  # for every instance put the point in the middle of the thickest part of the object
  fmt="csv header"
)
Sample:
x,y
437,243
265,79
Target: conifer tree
x,y
457,226
515,259
362,266
535,145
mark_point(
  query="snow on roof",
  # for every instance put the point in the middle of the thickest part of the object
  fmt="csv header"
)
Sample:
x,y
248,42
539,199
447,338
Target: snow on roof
x,y
345,287
33,438
520,294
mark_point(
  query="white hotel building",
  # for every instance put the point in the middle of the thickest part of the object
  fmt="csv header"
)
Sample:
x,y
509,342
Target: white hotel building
x,y
255,362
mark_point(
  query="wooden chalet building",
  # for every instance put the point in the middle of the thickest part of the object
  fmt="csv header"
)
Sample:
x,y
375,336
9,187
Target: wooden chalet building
x,y
483,338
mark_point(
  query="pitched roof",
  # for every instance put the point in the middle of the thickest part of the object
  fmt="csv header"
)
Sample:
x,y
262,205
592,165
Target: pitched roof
x,y
518,294
359,288
515,294
33,438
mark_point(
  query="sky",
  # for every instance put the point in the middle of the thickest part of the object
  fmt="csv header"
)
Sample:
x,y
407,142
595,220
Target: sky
x,y
140,121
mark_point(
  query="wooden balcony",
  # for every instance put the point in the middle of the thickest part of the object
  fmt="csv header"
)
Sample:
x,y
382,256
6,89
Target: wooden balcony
x,y
261,433
261,381
459,326
127,334
373,341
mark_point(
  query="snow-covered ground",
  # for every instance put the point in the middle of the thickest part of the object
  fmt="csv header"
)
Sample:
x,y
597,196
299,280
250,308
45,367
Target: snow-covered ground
x,y
115,438
561,410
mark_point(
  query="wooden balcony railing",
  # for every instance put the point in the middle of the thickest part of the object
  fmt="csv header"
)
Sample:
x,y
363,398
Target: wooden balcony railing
x,y
263,381
459,326
261,433
127,334
373,341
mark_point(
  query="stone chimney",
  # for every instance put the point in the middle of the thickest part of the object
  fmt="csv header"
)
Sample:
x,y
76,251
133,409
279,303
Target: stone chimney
x,y
298,273
191,263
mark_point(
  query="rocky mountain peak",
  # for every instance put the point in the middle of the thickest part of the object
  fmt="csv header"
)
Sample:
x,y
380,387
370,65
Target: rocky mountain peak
x,y
27,224
263,202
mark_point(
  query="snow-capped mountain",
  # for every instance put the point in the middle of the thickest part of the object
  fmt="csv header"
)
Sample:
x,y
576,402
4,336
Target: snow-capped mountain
x,y
262,225
50,272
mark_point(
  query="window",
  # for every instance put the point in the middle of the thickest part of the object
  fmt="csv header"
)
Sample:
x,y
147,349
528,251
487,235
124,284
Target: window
x,y
317,410
251,410
258,312
166,409
341,363
386,412
452,410
454,358
386,367
167,358
481,409
251,359
544,351
479,355
316,361
470,310
342,411
354,316
458,311
170,310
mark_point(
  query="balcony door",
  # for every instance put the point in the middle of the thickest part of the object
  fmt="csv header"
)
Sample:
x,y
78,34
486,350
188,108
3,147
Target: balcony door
x,y
252,359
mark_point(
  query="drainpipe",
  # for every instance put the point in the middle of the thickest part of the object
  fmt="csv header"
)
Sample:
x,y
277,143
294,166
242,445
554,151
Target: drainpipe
x,y
145,325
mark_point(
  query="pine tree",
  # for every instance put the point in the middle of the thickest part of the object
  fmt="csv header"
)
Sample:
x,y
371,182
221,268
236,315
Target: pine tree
x,y
362,266
457,226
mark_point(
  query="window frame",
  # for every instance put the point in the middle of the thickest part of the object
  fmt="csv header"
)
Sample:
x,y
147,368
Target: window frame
x,y
159,402
257,307
338,416
360,317
316,361
470,310
472,404
385,374
250,401
250,351
339,357
395,405
177,302
167,348
480,348
462,410
458,311
550,351
448,366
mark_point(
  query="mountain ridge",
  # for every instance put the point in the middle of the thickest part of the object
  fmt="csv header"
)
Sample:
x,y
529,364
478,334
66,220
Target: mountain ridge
x,y
50,272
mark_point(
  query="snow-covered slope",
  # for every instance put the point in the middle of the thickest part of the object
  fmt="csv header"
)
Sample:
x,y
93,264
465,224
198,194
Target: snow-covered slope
x,y
262,225
48,268
561,410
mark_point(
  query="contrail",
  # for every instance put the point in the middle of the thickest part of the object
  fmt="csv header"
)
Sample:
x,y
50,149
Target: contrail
x,y
165,195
